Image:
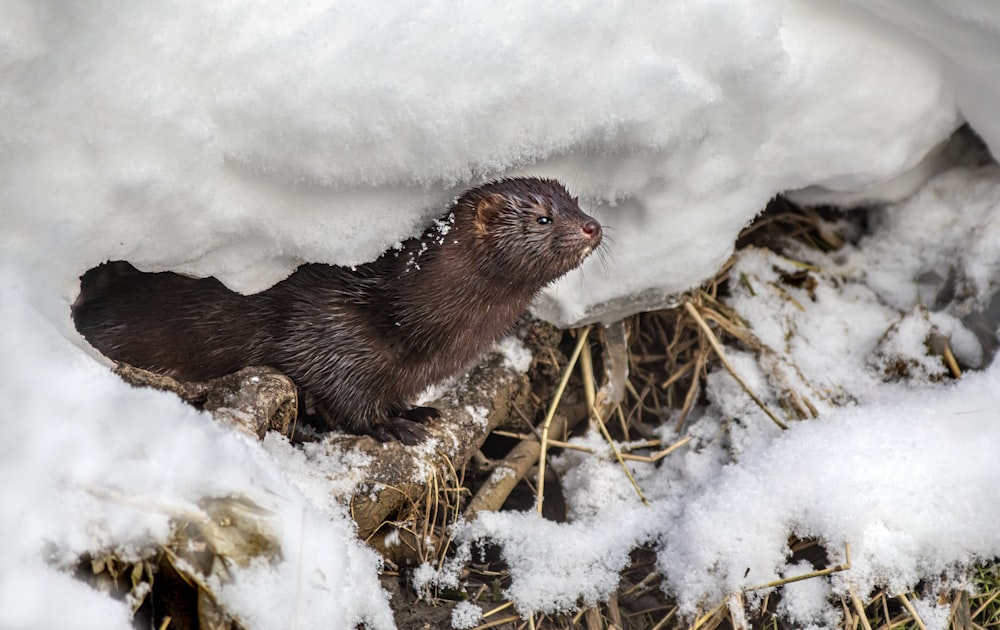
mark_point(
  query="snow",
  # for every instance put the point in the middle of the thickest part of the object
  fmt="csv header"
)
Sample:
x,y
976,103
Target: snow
x,y
95,466
241,138
876,500
260,137
516,356
466,615
934,615
805,602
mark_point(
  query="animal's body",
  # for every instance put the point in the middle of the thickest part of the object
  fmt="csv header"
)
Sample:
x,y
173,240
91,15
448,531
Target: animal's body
x,y
361,343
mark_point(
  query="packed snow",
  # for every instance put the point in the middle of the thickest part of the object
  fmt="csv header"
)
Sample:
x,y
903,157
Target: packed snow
x,y
240,139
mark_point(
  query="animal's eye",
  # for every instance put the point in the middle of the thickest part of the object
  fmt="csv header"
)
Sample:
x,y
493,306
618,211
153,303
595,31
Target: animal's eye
x,y
544,220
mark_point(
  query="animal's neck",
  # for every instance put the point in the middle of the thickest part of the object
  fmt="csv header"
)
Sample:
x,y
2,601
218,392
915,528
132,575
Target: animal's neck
x,y
454,303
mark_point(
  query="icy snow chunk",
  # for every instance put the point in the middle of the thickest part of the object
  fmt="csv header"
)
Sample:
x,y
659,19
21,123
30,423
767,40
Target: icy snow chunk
x,y
28,588
466,615
479,414
913,347
516,355
807,601
904,351
427,575
591,483
548,577
934,615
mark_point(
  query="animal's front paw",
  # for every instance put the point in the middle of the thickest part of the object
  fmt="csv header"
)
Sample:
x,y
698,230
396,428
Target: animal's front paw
x,y
400,429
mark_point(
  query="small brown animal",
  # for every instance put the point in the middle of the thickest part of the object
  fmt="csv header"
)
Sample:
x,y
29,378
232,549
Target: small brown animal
x,y
361,343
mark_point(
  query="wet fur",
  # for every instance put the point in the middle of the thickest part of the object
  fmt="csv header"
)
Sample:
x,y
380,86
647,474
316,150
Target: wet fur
x,y
360,343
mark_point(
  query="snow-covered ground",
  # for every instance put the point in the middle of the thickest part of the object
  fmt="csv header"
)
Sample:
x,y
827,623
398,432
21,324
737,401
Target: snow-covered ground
x,y
900,469
239,138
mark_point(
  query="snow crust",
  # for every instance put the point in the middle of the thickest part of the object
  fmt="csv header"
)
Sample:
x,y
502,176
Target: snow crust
x,y
241,138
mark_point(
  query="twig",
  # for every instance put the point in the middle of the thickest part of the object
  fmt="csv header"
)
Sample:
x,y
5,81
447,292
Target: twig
x,y
648,459
712,613
986,603
509,472
845,566
905,601
552,412
949,359
587,366
614,612
700,359
503,606
960,617
788,296
678,374
663,622
498,622
735,602
860,608
621,461
725,362
670,449
646,581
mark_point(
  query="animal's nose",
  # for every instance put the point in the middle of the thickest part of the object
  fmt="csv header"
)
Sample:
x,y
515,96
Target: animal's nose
x,y
592,229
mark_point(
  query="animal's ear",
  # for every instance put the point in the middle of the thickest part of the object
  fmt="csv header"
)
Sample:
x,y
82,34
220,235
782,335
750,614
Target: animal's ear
x,y
487,208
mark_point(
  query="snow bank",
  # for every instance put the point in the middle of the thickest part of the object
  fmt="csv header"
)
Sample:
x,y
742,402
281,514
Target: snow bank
x,y
241,138
906,481
94,466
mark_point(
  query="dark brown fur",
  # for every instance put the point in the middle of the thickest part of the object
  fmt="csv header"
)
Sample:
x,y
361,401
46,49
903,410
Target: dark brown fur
x,y
360,343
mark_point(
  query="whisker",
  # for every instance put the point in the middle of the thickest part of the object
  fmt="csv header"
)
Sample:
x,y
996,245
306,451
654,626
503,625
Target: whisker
x,y
605,256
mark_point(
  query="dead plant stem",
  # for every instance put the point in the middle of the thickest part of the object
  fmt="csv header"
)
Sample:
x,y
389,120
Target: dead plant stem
x,y
905,601
725,362
567,372
587,366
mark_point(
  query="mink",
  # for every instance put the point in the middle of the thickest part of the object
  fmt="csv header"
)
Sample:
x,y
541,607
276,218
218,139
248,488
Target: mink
x,y
359,342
